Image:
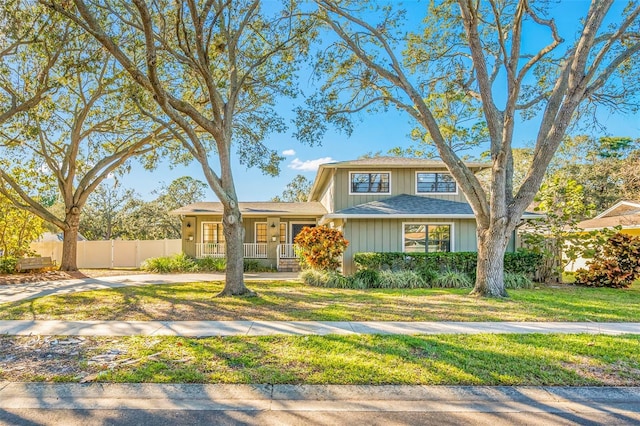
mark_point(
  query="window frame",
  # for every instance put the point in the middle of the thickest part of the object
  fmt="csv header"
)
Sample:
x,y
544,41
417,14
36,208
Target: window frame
x,y
255,232
370,172
435,193
427,224
221,230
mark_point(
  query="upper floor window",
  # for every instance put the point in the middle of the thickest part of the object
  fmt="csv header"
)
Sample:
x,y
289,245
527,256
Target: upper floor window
x,y
435,183
370,183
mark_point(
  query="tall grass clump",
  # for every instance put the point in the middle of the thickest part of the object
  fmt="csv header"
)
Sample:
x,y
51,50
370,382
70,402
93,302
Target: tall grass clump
x,y
517,280
402,279
452,279
212,264
329,279
164,265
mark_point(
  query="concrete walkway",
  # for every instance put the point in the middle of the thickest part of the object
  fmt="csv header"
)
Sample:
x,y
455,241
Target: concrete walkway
x,y
299,328
17,292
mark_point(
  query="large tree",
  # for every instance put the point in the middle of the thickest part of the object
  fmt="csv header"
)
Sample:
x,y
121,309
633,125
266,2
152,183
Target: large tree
x,y
474,53
74,139
217,70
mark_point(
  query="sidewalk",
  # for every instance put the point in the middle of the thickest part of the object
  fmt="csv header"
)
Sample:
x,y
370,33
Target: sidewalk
x,y
299,328
17,292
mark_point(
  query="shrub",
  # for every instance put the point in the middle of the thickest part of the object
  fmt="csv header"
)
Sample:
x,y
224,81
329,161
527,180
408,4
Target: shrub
x,y
163,265
616,264
211,264
517,280
402,279
452,279
522,261
321,247
366,278
428,276
8,264
253,265
331,279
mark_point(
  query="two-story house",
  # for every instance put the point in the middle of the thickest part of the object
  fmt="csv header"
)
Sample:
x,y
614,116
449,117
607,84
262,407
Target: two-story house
x,y
381,204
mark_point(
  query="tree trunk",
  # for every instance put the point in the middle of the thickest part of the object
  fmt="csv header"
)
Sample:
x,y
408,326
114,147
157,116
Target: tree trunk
x,y
234,239
492,244
70,240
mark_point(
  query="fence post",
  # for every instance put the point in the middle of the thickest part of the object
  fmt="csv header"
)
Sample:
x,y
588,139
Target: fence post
x,y
112,253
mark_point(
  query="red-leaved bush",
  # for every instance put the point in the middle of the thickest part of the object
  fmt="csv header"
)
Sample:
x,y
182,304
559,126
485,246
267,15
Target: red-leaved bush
x,y
616,264
321,247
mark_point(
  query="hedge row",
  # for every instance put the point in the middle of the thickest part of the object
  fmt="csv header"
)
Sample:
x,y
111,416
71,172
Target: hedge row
x,y
520,262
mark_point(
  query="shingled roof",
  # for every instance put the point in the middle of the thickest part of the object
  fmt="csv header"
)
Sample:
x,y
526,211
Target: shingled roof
x,y
410,206
405,205
255,209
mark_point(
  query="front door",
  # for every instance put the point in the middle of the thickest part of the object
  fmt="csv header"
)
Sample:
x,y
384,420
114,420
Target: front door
x,y
297,227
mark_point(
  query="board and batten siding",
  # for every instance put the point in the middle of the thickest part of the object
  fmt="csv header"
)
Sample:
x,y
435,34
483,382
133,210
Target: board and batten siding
x,y
403,181
385,235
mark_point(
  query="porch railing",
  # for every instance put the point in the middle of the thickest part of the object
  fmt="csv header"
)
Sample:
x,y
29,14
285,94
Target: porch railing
x,y
251,250
286,251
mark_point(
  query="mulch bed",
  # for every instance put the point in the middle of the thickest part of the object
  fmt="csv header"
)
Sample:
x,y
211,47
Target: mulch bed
x,y
31,277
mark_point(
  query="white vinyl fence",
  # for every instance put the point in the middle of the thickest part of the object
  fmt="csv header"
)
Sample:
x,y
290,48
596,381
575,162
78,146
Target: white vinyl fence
x,y
111,254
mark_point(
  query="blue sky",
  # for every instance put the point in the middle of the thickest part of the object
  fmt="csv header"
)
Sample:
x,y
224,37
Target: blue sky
x,y
375,132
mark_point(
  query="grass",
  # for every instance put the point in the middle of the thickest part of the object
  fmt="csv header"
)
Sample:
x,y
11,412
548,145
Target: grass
x,y
294,301
485,359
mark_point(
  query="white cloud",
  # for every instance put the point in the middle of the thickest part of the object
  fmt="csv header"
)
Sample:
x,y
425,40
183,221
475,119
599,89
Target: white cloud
x,y
309,165
289,152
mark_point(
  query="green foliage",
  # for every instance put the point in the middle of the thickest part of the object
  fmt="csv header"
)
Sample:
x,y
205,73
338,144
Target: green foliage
x,y
18,228
452,279
522,261
212,264
402,279
253,265
329,279
616,265
366,278
321,247
163,265
8,264
296,191
517,280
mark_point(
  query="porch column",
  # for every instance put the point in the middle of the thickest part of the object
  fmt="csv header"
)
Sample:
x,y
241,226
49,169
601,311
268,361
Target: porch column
x,y
273,239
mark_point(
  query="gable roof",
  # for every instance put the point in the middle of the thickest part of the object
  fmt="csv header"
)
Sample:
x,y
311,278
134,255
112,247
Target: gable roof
x,y
326,170
397,162
624,213
249,209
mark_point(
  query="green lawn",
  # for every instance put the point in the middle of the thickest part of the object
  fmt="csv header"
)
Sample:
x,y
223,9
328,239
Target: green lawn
x,y
535,359
294,301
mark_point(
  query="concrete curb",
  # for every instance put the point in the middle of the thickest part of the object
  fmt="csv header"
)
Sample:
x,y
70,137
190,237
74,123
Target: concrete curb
x,y
300,328
326,398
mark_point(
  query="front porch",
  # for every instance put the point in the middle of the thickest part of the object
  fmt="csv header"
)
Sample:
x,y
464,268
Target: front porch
x,y
286,258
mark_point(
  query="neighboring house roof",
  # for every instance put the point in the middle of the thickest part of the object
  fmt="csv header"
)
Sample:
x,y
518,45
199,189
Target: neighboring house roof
x,y
255,209
410,206
326,170
624,213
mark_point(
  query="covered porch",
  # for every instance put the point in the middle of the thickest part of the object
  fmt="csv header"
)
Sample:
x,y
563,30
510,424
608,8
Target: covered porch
x,y
270,229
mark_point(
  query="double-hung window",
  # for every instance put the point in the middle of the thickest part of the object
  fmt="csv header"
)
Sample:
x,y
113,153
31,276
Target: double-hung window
x,y
370,183
435,183
212,232
423,237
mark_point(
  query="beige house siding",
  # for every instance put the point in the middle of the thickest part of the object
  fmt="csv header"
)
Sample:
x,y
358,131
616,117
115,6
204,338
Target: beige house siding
x,y
403,181
380,235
